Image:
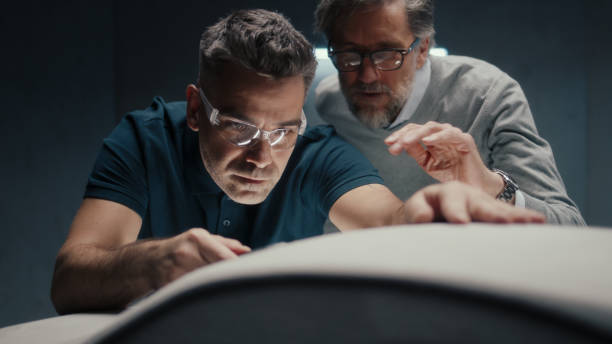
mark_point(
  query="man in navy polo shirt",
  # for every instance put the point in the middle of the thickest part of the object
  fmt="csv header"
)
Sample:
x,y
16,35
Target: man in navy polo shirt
x,y
231,166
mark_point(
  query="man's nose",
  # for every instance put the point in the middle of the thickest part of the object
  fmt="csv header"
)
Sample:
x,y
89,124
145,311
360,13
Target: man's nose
x,y
368,72
260,154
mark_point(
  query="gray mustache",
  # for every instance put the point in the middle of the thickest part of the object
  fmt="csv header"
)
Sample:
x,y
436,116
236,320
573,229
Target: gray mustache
x,y
375,87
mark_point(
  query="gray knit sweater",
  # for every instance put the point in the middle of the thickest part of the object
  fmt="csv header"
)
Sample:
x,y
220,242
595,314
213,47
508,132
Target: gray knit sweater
x,y
481,100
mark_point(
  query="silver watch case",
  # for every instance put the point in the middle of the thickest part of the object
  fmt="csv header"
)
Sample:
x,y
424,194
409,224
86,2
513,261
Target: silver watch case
x,y
510,186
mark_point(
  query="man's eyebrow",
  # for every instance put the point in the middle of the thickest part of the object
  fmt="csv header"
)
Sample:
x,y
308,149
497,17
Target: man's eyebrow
x,y
242,117
231,112
295,122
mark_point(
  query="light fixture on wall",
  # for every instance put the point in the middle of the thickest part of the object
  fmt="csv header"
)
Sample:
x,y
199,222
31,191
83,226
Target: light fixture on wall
x,y
438,51
321,53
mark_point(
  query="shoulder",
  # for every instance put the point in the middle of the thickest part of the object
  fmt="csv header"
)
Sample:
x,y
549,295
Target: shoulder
x,y
328,94
329,84
464,72
322,145
159,112
319,143
325,162
320,135
462,65
160,118
471,78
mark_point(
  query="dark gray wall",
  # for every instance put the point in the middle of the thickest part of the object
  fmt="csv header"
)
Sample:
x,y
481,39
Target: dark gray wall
x,y
70,70
599,109
57,105
157,44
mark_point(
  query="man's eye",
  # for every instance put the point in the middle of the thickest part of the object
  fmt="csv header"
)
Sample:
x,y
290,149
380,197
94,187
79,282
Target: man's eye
x,y
289,130
237,126
233,126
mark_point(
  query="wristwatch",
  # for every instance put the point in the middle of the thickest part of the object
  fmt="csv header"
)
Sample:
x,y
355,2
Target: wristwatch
x,y
510,186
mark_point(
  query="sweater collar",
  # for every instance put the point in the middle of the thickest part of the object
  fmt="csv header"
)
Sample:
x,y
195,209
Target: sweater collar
x,y
419,86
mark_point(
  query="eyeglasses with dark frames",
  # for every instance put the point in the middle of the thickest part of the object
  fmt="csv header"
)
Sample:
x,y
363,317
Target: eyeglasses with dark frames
x,y
384,59
245,134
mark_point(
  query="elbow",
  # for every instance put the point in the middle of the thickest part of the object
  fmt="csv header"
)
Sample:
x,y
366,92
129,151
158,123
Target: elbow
x,y
60,293
57,288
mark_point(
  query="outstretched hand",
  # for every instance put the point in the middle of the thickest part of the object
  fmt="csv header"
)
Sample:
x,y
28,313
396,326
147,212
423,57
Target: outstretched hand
x,y
191,250
456,202
445,153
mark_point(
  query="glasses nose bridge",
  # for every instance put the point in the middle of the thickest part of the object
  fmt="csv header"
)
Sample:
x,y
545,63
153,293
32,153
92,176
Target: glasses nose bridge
x,y
264,135
368,71
369,55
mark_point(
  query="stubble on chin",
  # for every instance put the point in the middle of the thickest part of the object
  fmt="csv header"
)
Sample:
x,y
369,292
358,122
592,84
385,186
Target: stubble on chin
x,y
241,192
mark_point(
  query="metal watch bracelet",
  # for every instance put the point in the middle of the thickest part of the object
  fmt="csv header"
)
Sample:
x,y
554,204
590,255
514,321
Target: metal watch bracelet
x,y
510,186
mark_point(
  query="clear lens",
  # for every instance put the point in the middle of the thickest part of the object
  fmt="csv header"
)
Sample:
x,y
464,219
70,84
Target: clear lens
x,y
347,60
284,138
237,132
244,134
387,59
276,137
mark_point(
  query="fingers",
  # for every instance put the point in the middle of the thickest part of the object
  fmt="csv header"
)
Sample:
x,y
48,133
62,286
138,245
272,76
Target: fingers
x,y
454,206
431,133
213,248
459,203
416,140
234,245
454,137
420,210
409,138
483,208
190,250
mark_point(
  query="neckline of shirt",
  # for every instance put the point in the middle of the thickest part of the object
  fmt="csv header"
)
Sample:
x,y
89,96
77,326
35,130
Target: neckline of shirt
x,y
420,83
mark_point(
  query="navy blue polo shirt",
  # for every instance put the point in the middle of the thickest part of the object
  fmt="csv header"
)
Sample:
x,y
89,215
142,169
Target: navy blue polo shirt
x,y
151,164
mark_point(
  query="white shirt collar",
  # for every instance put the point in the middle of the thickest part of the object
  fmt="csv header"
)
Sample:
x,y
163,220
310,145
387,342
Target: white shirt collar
x,y
419,86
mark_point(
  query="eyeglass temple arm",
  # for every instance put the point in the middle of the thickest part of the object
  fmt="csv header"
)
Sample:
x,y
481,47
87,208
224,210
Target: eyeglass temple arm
x,y
209,108
303,123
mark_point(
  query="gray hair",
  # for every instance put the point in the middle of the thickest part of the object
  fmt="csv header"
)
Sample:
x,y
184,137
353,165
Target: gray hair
x,y
420,13
259,40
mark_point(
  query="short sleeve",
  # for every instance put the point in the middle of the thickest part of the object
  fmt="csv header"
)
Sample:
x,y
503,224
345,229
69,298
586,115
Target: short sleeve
x,y
119,174
334,168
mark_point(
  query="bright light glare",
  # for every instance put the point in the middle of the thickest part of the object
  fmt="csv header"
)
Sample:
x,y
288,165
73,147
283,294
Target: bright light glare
x,y
321,54
439,51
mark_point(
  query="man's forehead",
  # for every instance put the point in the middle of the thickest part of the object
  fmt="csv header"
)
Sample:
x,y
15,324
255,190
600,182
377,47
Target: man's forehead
x,y
251,97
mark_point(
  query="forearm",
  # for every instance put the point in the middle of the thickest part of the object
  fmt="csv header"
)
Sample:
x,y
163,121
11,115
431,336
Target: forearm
x,y
367,206
89,278
557,212
514,146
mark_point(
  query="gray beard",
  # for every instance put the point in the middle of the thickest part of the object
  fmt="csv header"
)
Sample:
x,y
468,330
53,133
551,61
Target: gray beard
x,y
375,117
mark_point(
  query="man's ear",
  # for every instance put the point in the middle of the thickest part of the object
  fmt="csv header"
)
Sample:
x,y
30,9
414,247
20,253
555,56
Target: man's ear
x,y
193,107
422,52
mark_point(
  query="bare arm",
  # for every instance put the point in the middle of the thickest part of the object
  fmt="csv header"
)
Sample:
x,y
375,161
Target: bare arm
x,y
374,205
102,265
